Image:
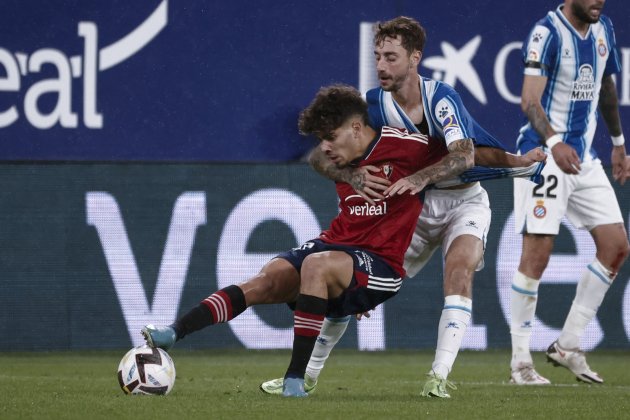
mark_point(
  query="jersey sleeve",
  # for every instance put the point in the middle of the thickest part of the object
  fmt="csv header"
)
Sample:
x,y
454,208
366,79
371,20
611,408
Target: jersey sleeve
x,y
375,109
613,64
451,115
540,50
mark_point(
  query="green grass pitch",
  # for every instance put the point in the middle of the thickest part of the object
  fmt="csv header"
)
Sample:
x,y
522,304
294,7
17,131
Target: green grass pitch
x,y
354,385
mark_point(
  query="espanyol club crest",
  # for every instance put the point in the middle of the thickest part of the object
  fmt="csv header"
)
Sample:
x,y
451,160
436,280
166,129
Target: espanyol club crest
x,y
601,47
540,210
387,170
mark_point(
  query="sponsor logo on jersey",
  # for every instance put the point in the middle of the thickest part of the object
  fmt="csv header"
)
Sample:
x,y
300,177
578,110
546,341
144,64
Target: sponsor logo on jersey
x,y
452,130
367,209
584,85
601,47
540,210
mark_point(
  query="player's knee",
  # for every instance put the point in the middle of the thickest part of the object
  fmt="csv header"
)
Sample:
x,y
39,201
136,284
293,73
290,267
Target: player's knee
x,y
315,265
614,252
621,254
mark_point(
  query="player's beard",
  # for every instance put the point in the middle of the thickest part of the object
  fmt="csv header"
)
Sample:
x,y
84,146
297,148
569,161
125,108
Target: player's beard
x,y
397,82
583,15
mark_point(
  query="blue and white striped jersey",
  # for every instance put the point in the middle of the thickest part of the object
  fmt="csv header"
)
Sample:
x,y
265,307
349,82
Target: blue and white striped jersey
x,y
447,120
445,114
575,67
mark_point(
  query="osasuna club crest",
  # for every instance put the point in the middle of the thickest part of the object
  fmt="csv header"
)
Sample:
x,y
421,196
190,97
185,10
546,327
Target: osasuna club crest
x,y
387,170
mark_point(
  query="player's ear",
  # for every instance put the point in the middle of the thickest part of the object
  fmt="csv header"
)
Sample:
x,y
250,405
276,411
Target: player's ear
x,y
415,58
357,126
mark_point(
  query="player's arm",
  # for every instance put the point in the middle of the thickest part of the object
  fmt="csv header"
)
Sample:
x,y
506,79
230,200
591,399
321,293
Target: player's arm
x,y
493,157
609,108
461,156
361,179
565,156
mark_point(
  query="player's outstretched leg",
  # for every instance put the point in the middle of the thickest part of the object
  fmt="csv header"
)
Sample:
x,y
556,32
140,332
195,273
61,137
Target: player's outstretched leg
x,y
221,306
163,337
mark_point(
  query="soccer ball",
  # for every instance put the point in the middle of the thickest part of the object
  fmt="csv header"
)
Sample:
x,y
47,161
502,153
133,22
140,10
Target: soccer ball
x,y
144,370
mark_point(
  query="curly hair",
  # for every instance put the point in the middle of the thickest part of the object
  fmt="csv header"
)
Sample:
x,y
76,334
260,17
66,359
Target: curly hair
x,y
332,107
412,34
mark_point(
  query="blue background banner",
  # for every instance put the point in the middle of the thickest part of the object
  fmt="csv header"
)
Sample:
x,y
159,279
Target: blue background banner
x,y
183,81
90,253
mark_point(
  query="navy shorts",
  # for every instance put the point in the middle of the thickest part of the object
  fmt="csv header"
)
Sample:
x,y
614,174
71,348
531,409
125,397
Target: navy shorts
x,y
373,280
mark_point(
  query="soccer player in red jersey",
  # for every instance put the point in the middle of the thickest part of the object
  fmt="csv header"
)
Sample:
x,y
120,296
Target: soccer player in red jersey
x,y
351,267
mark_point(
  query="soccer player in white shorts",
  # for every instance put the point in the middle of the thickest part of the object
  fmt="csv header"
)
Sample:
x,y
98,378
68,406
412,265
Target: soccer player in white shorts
x,y
456,219
587,199
448,214
570,58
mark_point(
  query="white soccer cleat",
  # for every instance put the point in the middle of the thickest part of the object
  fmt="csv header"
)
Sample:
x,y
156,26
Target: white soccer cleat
x,y
525,374
575,361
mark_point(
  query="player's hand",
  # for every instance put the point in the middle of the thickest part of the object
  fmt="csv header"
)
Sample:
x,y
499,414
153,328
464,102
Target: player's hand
x,y
620,164
566,158
411,184
361,315
533,156
368,184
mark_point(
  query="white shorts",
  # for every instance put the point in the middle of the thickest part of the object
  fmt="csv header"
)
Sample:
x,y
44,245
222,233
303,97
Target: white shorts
x,y
446,215
587,199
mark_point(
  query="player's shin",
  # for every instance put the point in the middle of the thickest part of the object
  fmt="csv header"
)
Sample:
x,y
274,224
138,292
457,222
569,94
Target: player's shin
x,y
524,296
308,320
222,306
332,330
589,295
452,327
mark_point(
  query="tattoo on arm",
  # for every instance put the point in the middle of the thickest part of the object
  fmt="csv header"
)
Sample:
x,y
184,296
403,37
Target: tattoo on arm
x,y
538,119
609,106
461,156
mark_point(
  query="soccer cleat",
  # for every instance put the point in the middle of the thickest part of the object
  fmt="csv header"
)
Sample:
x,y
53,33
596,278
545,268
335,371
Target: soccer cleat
x,y
160,337
575,361
293,387
436,386
274,386
525,374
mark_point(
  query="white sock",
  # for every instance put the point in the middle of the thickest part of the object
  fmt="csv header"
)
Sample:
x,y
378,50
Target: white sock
x,y
332,330
524,296
451,329
590,293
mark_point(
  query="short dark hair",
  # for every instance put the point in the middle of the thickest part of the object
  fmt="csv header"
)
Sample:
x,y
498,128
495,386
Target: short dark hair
x,y
332,107
412,34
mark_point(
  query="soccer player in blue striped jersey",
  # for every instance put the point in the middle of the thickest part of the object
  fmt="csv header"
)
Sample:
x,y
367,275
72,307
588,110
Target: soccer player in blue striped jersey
x,y
570,57
455,219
